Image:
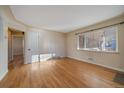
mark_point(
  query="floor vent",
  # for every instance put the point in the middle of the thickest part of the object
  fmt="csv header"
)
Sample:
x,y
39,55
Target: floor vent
x,y
119,78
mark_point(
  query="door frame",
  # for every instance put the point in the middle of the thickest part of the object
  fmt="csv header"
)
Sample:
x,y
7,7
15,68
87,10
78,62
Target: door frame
x,y
13,29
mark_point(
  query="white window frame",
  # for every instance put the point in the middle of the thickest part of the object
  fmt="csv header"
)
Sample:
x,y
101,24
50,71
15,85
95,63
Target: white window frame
x,y
86,49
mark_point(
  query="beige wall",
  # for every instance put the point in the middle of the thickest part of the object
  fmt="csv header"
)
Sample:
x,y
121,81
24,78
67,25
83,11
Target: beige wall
x,y
52,42
114,61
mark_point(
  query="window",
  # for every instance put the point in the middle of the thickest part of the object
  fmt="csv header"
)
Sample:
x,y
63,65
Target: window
x,y
99,40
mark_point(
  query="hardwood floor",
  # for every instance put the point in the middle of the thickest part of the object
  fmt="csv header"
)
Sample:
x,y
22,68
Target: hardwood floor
x,y
61,73
17,61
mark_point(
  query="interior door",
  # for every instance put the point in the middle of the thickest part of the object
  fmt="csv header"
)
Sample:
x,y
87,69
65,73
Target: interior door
x,y
31,42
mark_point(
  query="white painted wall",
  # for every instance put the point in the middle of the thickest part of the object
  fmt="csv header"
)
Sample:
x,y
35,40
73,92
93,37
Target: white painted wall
x,y
114,61
6,20
3,49
44,42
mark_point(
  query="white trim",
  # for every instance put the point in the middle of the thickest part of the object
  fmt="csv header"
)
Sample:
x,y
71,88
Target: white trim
x,y
3,75
89,50
87,61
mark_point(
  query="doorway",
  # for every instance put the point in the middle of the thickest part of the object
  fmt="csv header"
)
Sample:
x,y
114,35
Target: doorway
x,y
15,48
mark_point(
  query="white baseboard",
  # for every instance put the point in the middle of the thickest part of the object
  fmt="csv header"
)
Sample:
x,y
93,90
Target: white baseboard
x,y
87,61
3,75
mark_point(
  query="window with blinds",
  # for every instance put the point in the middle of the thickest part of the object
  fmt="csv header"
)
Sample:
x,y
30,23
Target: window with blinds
x,y
105,39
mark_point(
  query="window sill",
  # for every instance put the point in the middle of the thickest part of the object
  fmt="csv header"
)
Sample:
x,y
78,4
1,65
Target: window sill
x,y
98,51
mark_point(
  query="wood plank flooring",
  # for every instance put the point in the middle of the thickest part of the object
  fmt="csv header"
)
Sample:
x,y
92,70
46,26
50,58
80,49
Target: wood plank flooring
x,y
58,73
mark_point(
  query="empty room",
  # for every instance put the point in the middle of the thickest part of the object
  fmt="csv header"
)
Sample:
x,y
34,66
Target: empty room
x,y
61,46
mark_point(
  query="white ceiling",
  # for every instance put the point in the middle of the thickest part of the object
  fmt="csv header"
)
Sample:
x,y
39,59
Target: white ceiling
x,y
64,18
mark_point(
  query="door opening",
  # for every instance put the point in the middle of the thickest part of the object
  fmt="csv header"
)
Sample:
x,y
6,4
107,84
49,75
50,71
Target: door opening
x,y
15,48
